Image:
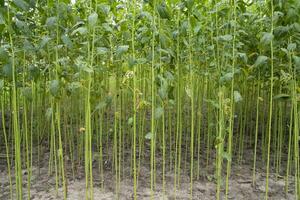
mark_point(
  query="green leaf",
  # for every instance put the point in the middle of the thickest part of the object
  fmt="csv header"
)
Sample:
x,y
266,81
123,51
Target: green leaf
x,y
1,84
148,136
284,50
21,25
296,26
163,91
218,141
92,19
80,30
163,11
2,19
226,77
164,51
243,56
261,60
74,86
54,88
108,100
104,8
49,113
292,46
107,27
44,41
158,112
212,102
3,54
27,93
188,91
101,50
226,156
209,178
189,4
101,105
130,121
197,29
225,38
296,61
59,152
34,71
122,49
132,62
28,46
7,70
281,97
21,4
86,69
266,38
237,96
67,41
51,21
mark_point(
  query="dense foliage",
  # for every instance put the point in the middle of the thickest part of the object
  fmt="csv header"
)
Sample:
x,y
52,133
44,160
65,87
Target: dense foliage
x,y
203,77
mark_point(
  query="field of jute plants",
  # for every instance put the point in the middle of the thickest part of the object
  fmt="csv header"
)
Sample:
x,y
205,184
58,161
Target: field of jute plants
x,y
149,99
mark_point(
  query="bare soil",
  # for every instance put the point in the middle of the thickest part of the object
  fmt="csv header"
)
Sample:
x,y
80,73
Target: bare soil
x,y
204,188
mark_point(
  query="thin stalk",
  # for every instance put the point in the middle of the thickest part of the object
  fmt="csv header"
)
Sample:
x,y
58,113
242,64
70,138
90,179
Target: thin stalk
x,y
153,101
15,113
231,115
270,107
256,132
134,102
6,145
